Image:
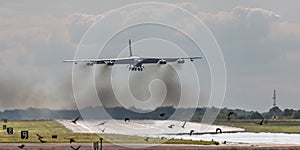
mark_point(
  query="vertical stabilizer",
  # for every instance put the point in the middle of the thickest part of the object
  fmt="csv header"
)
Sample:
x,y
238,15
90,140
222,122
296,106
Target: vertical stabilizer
x,y
130,51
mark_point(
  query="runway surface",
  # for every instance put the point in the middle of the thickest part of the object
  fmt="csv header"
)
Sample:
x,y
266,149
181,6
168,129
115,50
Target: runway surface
x,y
88,146
152,128
162,129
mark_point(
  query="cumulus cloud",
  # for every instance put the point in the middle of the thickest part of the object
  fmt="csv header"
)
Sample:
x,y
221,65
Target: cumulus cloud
x,y
78,23
240,23
284,30
260,50
85,19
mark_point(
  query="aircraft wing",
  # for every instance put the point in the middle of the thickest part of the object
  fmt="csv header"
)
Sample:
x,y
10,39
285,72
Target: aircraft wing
x,y
167,59
103,61
164,60
132,60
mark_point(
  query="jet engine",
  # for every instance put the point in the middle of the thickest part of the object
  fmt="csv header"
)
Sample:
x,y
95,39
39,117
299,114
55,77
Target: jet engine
x,y
110,63
180,61
162,62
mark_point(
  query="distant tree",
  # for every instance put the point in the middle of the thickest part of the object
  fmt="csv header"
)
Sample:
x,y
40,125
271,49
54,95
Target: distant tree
x,y
242,117
288,112
256,115
222,114
296,115
274,110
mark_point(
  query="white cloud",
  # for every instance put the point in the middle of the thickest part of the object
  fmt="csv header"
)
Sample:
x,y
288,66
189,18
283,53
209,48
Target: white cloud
x,y
86,20
26,37
261,53
240,23
284,30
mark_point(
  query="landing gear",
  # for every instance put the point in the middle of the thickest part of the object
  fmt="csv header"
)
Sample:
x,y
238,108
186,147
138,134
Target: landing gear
x,y
135,68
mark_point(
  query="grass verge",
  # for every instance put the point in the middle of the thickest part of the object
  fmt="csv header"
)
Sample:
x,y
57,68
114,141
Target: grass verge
x,y
47,128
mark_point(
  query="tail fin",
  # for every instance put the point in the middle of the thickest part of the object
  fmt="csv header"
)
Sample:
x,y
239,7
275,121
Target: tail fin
x,y
130,51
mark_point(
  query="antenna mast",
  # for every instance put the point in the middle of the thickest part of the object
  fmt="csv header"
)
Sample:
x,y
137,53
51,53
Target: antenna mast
x,y
274,98
274,106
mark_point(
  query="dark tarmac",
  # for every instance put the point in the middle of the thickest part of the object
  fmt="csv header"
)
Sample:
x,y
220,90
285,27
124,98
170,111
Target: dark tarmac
x,y
89,146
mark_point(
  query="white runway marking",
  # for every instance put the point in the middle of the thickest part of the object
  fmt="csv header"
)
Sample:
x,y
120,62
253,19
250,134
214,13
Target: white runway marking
x,y
143,127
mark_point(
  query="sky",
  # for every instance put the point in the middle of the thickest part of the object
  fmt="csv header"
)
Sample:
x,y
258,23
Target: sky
x,y
259,41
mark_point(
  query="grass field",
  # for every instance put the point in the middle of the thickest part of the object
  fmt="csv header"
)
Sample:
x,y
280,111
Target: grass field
x,y
47,128
282,126
178,141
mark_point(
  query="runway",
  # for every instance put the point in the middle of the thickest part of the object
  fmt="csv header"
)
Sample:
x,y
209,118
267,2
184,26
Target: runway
x,y
152,128
88,146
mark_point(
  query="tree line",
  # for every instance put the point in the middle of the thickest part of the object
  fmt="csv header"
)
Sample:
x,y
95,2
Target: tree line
x,y
193,114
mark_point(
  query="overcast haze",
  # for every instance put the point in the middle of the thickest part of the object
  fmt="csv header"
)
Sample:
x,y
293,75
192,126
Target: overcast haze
x,y
259,41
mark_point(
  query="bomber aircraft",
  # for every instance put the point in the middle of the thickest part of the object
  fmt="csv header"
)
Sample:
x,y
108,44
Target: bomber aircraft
x,y
135,63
